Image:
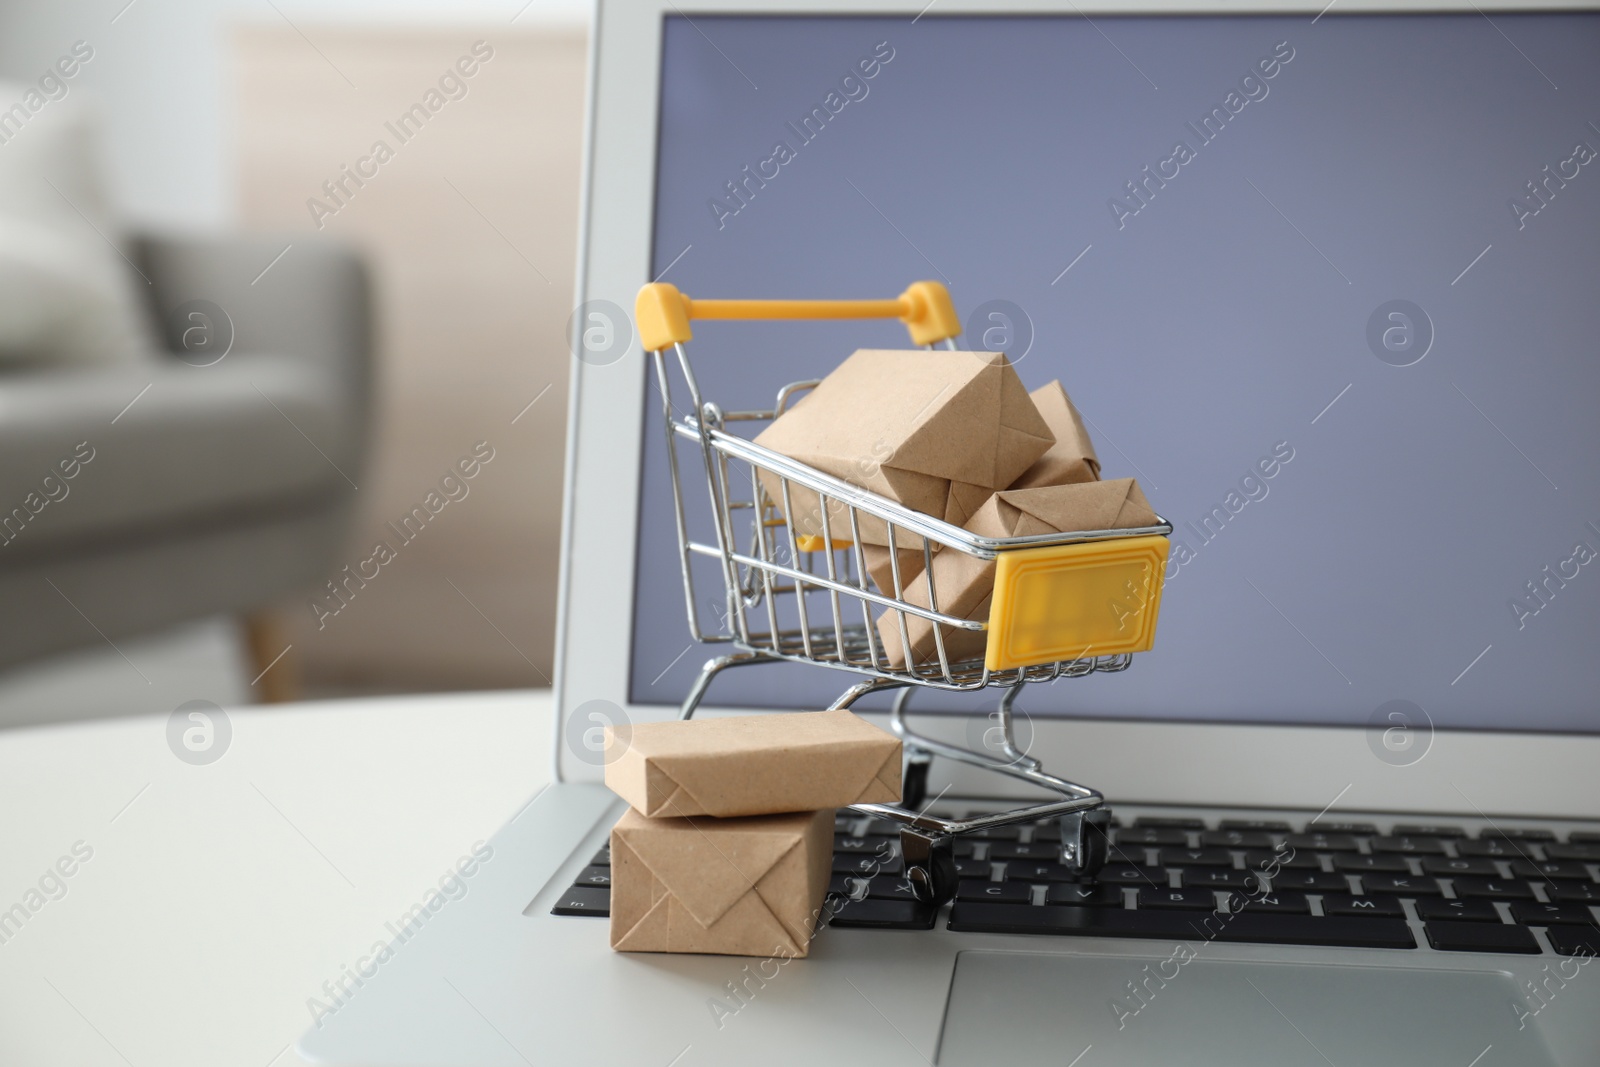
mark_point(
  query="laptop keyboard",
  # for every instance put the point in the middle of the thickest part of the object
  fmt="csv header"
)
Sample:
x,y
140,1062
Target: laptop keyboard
x,y
1344,884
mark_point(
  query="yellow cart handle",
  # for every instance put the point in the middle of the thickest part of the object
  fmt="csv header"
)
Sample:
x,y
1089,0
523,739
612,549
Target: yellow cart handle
x,y
662,313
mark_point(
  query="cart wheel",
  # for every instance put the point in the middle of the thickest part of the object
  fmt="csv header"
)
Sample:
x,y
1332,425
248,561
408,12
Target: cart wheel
x,y
930,865
914,779
1085,842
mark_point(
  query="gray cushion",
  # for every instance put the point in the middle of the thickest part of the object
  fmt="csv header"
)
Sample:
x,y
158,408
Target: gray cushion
x,y
199,445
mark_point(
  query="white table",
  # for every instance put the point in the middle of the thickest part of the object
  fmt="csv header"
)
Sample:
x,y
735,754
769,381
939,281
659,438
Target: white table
x,y
219,898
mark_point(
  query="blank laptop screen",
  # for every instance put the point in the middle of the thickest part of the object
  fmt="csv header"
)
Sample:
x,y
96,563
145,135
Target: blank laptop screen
x,y
1359,252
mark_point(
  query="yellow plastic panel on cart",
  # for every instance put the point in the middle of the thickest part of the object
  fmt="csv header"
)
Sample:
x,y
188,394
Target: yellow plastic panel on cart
x,y
816,542
1065,602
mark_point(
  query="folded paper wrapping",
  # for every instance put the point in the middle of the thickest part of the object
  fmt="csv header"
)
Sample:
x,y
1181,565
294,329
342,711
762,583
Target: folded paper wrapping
x,y
935,431
753,764
964,583
1071,459
881,570
742,887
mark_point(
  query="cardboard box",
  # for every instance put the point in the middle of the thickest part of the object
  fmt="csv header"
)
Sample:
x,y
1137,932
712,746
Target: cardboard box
x,y
1072,458
964,584
881,571
936,431
741,887
753,764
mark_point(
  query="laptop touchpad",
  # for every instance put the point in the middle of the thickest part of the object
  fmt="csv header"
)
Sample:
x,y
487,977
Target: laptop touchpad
x,y
1028,1008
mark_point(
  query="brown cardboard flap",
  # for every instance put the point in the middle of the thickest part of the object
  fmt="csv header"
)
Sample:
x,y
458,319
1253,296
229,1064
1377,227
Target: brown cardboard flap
x,y
708,872
909,426
1118,504
753,764
1072,458
749,886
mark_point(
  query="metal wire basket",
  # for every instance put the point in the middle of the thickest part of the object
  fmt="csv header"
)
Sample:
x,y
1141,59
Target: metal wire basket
x,y
807,597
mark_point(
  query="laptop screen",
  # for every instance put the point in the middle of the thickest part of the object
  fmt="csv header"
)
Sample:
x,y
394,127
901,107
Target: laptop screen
x,y
1358,251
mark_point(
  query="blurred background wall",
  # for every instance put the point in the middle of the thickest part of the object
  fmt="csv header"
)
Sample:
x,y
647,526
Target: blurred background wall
x,y
231,115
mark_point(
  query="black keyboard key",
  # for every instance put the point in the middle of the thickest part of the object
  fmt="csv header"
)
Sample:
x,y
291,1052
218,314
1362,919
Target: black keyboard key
x,y
1321,842
1496,848
1478,911
1186,899
845,824
1408,846
1133,874
890,887
583,900
866,866
877,914
603,857
1493,888
1165,822
974,917
1268,825
1401,885
1084,896
859,845
1575,940
1584,837
1575,892
1381,907
1583,853
842,885
1558,869
1004,833
1220,878
1360,829
1256,859
1181,925
1196,857
1412,829
1358,864
1536,914
1152,835
1514,833
1024,871
599,877
1310,882
1277,903
883,828
1046,852
1236,839
1050,829
1257,928
1480,937
971,868
1468,866
1004,892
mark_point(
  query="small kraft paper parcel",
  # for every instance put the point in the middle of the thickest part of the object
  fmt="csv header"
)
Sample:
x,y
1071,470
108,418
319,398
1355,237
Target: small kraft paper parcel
x,y
753,764
740,887
964,584
1071,459
935,431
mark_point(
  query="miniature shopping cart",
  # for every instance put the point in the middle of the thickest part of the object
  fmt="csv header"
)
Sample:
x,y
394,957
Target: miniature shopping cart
x,y
807,598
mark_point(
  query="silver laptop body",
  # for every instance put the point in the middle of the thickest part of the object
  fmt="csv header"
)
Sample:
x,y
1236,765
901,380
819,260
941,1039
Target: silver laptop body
x,y
1381,655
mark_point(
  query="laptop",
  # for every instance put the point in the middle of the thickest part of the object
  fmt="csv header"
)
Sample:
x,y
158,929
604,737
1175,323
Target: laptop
x,y
1321,278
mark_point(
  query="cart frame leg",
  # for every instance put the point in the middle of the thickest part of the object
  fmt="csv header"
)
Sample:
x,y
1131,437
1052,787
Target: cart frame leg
x,y
712,668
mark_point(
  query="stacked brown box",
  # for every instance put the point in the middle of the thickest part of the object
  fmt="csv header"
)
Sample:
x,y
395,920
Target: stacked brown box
x,y
955,436
729,842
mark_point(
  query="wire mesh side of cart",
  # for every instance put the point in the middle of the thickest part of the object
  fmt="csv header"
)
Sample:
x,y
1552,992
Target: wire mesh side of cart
x,y
781,600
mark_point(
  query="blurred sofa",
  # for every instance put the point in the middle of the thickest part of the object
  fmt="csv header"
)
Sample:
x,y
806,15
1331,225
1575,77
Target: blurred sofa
x,y
214,477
